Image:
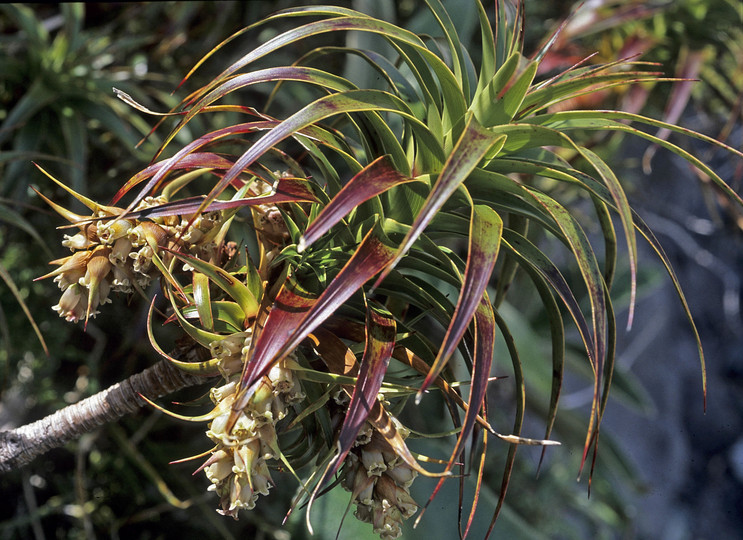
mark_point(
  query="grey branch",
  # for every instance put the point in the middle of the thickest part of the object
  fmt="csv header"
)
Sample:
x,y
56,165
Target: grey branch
x,y
22,445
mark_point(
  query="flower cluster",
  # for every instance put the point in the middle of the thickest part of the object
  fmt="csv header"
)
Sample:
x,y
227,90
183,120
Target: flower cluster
x,y
114,254
379,481
238,468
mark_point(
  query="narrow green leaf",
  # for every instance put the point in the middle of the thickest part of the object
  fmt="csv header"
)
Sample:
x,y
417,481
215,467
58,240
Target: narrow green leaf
x,y
475,142
227,316
202,337
207,368
202,299
487,46
237,290
604,120
7,278
532,257
490,92
655,244
505,103
518,375
454,45
274,74
586,260
625,215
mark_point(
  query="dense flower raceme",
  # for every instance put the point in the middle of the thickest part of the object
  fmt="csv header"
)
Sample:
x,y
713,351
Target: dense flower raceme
x,y
379,481
238,468
116,255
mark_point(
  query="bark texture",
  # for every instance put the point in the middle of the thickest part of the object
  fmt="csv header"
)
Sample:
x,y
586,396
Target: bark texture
x,y
22,445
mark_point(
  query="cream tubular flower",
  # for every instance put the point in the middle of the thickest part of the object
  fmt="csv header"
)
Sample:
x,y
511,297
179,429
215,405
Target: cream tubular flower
x,y
73,304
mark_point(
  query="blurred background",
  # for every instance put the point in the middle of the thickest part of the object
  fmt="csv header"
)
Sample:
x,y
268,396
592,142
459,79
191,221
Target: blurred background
x,y
666,469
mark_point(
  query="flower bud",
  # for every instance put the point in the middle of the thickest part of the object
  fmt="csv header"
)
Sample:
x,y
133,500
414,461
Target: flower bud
x,y
402,475
72,305
98,288
76,242
148,233
245,456
66,279
110,231
363,486
220,469
120,251
373,461
74,263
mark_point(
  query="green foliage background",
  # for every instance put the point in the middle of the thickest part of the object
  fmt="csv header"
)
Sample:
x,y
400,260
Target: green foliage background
x,y
57,67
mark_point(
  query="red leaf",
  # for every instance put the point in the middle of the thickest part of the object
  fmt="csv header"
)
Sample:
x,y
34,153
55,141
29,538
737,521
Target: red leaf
x,y
290,306
192,161
486,228
182,156
286,190
481,363
278,339
374,179
380,341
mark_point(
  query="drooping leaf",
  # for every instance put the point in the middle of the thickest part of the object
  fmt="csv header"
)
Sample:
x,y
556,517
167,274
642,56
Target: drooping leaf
x,y
8,279
207,368
195,160
380,341
594,283
291,304
481,363
484,237
606,120
340,103
518,422
201,336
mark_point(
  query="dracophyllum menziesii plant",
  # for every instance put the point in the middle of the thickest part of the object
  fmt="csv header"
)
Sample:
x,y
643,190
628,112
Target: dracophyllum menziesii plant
x,y
347,260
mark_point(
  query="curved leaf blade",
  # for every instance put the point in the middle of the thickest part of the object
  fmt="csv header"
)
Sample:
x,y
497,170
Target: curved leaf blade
x,y
372,180
486,228
237,290
286,329
380,342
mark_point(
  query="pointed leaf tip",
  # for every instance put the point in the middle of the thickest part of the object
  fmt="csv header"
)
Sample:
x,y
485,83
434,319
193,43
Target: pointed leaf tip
x,y
473,145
